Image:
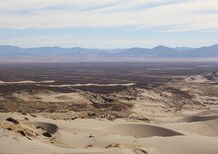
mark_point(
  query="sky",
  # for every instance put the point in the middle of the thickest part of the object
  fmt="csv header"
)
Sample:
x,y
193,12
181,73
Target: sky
x,y
109,23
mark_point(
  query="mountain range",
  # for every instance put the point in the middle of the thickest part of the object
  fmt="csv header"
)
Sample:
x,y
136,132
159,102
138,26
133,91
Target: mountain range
x,y
76,52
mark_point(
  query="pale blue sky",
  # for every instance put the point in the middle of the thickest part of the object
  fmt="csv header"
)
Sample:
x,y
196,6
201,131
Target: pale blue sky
x,y
108,23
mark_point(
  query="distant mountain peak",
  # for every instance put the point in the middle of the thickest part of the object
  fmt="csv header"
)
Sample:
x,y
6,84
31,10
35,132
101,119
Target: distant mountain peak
x,y
160,47
215,45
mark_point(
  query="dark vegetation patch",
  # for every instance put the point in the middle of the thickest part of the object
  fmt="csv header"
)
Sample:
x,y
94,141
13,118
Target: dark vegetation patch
x,y
22,133
105,110
144,74
10,88
110,107
102,89
46,134
14,121
78,107
9,128
179,93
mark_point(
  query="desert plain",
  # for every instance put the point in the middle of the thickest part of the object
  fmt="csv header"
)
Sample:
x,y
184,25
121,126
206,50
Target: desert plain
x,y
109,108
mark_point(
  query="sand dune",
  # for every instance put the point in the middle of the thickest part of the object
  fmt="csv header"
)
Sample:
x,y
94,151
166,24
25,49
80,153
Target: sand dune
x,y
203,123
89,136
141,130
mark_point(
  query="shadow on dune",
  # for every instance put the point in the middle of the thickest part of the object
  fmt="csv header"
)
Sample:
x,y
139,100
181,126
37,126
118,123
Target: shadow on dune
x,y
49,127
141,130
197,118
208,112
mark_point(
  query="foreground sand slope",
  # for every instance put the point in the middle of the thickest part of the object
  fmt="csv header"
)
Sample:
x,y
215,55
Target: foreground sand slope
x,y
36,134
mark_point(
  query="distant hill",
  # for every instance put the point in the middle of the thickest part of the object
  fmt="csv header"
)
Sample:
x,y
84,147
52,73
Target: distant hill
x,y
76,52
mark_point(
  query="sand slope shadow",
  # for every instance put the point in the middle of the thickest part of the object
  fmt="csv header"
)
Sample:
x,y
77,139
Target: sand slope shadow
x,y
208,112
141,130
197,118
49,127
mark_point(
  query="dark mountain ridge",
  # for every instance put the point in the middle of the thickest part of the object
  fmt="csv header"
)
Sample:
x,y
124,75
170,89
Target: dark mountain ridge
x,y
156,52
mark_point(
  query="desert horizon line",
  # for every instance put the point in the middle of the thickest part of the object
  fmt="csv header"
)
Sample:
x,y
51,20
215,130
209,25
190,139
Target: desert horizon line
x,y
160,45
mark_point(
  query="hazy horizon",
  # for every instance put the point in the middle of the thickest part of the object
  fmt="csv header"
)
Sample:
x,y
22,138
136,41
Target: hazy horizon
x,y
51,46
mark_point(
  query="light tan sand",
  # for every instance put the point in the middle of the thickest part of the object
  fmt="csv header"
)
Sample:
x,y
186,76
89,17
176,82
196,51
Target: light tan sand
x,y
92,84
197,79
27,82
182,135
48,96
